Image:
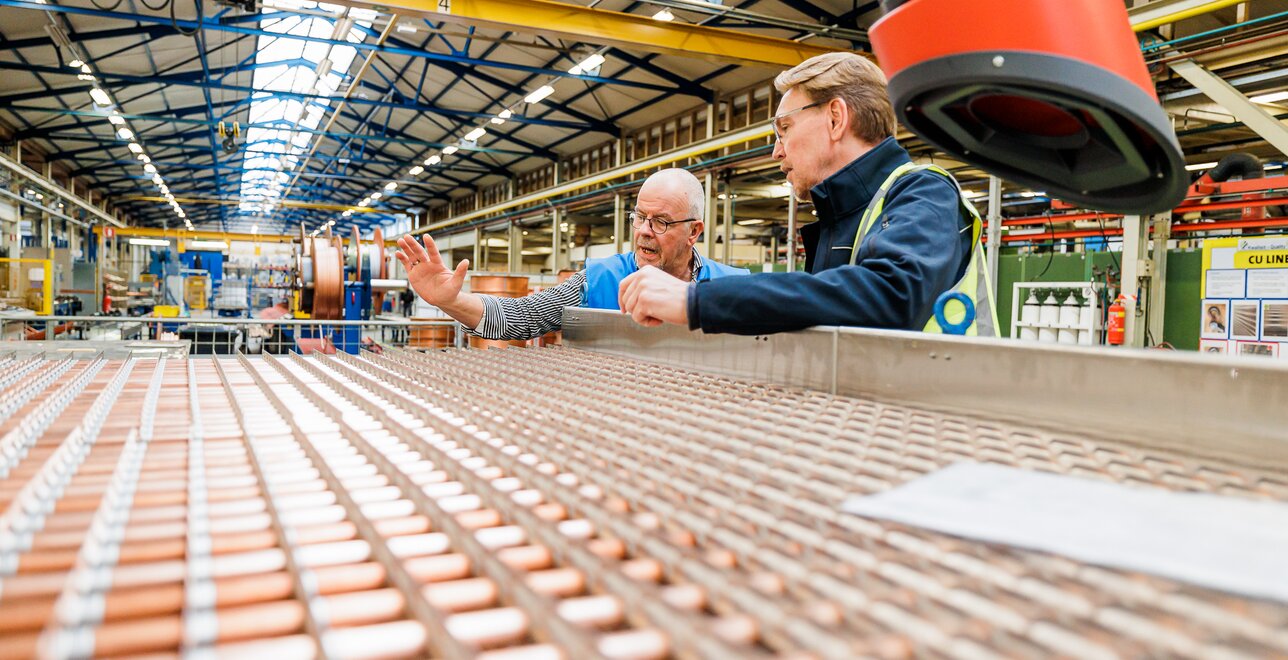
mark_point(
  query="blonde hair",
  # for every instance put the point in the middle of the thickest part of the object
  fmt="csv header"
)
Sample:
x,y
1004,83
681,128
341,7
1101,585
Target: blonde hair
x,y
852,78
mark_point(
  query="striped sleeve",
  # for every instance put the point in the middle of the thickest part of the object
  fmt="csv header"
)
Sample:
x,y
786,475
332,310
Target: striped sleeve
x,y
530,316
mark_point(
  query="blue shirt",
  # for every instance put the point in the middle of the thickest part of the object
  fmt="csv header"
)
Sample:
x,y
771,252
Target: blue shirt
x,y
604,276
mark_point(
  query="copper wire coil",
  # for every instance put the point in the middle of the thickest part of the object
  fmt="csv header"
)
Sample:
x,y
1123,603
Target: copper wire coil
x,y
502,286
379,269
328,281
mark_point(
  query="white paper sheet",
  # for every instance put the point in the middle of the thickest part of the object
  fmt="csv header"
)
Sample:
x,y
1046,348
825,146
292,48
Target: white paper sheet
x,y
1226,543
1268,283
1224,284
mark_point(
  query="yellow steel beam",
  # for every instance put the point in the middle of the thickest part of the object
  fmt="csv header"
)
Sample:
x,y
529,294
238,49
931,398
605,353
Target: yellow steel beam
x,y
1162,12
609,28
234,202
199,235
183,234
753,132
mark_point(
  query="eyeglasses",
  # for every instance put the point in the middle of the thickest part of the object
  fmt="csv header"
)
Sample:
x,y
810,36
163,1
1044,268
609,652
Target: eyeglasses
x,y
779,131
658,225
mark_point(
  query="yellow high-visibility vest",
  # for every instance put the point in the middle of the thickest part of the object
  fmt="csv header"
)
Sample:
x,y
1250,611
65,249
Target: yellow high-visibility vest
x,y
974,282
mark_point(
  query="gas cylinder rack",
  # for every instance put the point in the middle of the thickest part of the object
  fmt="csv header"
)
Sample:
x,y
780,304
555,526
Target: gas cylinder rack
x,y
1057,312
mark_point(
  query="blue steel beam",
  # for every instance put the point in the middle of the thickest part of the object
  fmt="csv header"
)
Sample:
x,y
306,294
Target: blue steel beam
x,y
318,188
197,152
408,52
39,78
120,80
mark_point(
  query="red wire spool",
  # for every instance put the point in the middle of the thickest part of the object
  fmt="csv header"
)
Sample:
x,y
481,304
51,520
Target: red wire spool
x,y
1048,93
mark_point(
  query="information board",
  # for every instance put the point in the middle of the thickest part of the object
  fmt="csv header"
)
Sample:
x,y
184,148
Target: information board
x,y
1245,296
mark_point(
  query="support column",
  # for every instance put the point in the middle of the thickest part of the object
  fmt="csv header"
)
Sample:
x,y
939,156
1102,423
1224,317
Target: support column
x,y
709,200
1162,233
619,222
46,220
994,230
514,248
556,242
1136,267
477,262
726,226
99,258
709,216
792,207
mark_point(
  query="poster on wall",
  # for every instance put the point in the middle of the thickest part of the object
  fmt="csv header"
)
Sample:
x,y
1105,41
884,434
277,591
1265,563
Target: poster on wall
x,y
1218,346
1245,296
1216,319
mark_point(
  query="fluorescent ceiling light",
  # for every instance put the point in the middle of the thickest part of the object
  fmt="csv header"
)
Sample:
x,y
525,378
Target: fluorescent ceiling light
x,y
136,148
76,63
664,15
85,69
254,229
505,114
415,170
753,221
537,95
125,133
149,168
159,242
589,64
207,245
392,185
377,195
498,121
433,160
116,120
450,150
156,178
100,97
144,158
475,134
1273,97
1200,166
348,213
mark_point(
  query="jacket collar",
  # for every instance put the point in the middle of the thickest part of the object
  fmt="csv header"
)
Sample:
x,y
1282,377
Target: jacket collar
x,y
851,188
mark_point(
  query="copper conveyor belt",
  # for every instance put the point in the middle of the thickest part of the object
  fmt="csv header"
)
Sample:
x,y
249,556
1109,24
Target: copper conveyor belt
x,y
541,503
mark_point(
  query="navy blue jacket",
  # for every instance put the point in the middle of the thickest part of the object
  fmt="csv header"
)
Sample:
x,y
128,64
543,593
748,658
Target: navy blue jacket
x,y
918,249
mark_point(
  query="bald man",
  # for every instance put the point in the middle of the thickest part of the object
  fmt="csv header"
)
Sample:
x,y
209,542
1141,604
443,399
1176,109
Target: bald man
x,y
666,223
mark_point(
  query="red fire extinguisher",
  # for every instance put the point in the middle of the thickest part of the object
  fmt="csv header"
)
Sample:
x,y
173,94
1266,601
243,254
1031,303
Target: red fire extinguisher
x,y
1116,325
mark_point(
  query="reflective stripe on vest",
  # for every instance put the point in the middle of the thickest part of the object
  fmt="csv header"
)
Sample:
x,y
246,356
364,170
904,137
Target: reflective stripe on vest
x,y
973,283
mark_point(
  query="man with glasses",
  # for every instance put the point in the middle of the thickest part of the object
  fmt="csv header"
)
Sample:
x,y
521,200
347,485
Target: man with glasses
x,y
891,237
666,223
